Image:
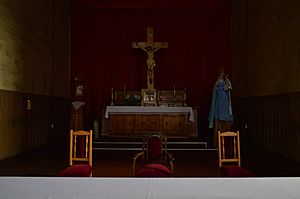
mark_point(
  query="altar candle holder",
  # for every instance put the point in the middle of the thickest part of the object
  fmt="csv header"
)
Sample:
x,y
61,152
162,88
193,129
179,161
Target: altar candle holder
x,y
174,95
124,88
112,96
174,91
184,98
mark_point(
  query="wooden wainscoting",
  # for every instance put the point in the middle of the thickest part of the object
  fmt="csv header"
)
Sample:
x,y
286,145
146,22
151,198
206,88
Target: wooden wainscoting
x,y
23,129
272,122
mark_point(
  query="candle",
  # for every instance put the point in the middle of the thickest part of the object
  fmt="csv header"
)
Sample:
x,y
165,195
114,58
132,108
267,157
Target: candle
x,y
184,98
124,89
174,90
112,96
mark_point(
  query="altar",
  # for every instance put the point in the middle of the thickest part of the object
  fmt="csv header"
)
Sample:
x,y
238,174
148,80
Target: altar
x,y
137,120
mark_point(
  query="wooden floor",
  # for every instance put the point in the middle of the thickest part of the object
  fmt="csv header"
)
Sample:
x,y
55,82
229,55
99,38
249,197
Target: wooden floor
x,y
49,161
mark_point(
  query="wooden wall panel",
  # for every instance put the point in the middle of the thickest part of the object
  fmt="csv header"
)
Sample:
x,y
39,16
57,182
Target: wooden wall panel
x,y
22,129
34,46
61,48
271,122
265,45
266,68
34,62
239,47
273,42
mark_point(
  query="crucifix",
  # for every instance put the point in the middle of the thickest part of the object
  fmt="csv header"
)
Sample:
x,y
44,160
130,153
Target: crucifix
x,y
150,47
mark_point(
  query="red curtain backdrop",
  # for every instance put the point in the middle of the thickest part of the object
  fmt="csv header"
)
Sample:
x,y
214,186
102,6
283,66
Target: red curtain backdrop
x,y
101,50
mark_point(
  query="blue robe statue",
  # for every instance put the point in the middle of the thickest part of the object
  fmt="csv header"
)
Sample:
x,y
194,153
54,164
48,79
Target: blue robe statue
x,y
221,101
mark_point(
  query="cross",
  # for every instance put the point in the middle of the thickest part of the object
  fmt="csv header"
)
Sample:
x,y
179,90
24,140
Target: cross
x,y
150,47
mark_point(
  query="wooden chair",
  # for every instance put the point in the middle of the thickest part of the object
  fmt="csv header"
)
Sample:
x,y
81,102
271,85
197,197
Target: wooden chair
x,y
155,160
230,163
80,151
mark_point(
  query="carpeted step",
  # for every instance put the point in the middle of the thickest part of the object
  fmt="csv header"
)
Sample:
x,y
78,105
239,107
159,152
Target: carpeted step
x,y
136,143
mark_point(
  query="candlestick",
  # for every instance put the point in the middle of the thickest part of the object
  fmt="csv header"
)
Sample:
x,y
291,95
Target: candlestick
x,y
174,95
184,98
124,90
112,96
174,92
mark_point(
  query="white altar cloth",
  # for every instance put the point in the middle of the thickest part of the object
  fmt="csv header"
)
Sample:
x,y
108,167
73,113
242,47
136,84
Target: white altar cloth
x,y
149,110
148,188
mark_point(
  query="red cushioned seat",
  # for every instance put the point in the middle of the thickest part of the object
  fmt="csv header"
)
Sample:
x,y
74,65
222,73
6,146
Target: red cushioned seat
x,y
81,140
154,148
153,170
77,170
230,160
154,160
235,171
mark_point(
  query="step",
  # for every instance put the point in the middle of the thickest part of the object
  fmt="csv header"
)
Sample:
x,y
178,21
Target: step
x,y
137,144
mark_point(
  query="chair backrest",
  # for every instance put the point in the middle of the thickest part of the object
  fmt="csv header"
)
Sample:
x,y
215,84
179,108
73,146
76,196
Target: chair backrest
x,y
155,146
229,141
80,143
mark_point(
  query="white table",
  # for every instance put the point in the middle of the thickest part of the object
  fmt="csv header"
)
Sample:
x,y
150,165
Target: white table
x,y
148,188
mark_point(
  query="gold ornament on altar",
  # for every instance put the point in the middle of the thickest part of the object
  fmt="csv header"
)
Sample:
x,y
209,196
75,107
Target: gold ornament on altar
x,y
149,97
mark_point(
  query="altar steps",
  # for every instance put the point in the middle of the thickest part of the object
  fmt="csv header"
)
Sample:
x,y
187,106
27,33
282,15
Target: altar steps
x,y
119,143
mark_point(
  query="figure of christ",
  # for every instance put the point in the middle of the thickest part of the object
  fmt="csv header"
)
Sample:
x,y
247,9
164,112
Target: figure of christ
x,y
150,60
150,47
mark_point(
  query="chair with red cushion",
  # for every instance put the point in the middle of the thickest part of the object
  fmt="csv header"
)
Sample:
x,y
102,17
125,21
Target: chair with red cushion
x,y
230,163
155,160
80,157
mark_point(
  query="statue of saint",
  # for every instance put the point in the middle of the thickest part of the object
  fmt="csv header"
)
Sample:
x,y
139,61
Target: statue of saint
x,y
221,116
78,87
221,101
